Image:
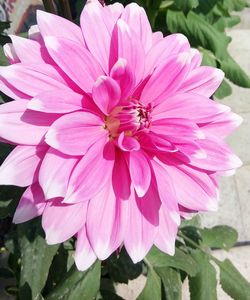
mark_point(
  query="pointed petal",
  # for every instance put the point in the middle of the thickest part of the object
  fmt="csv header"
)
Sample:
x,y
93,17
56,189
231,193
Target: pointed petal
x,y
21,166
96,32
197,191
51,24
124,76
177,129
92,172
140,172
125,44
106,209
10,53
186,105
136,18
84,255
75,133
61,221
68,55
31,204
140,233
160,84
106,94
167,231
25,127
56,101
219,156
203,81
30,51
55,172
160,51
31,79
223,125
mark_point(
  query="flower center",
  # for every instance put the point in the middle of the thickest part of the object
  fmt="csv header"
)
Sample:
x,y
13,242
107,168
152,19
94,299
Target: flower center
x,y
128,118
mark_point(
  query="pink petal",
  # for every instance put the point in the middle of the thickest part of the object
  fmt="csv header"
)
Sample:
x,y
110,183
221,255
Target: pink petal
x,y
68,55
197,191
219,156
10,53
162,84
140,172
75,133
31,204
124,76
25,127
154,142
140,233
161,51
120,178
105,208
61,221
167,232
55,172
30,51
92,172
21,166
203,81
223,125
31,79
191,149
53,25
186,105
114,10
176,129
196,58
128,143
136,18
35,35
166,190
56,101
84,254
125,44
106,94
96,32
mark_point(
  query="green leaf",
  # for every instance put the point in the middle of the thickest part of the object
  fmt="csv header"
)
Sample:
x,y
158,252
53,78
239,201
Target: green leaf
x,y
208,58
186,5
206,6
232,282
36,258
234,72
152,288
123,269
78,285
180,261
3,59
203,285
224,90
198,31
172,284
222,237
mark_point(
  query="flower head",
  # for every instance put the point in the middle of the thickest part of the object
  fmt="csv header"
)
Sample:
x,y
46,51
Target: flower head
x,y
116,136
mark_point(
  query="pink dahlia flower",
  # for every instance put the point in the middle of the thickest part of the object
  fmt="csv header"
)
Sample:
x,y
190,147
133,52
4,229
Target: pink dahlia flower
x,y
116,136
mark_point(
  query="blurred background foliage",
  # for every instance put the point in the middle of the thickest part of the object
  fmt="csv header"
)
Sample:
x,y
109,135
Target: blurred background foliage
x,y
30,269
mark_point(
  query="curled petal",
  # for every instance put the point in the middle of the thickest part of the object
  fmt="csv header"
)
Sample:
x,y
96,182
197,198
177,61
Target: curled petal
x,y
31,204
